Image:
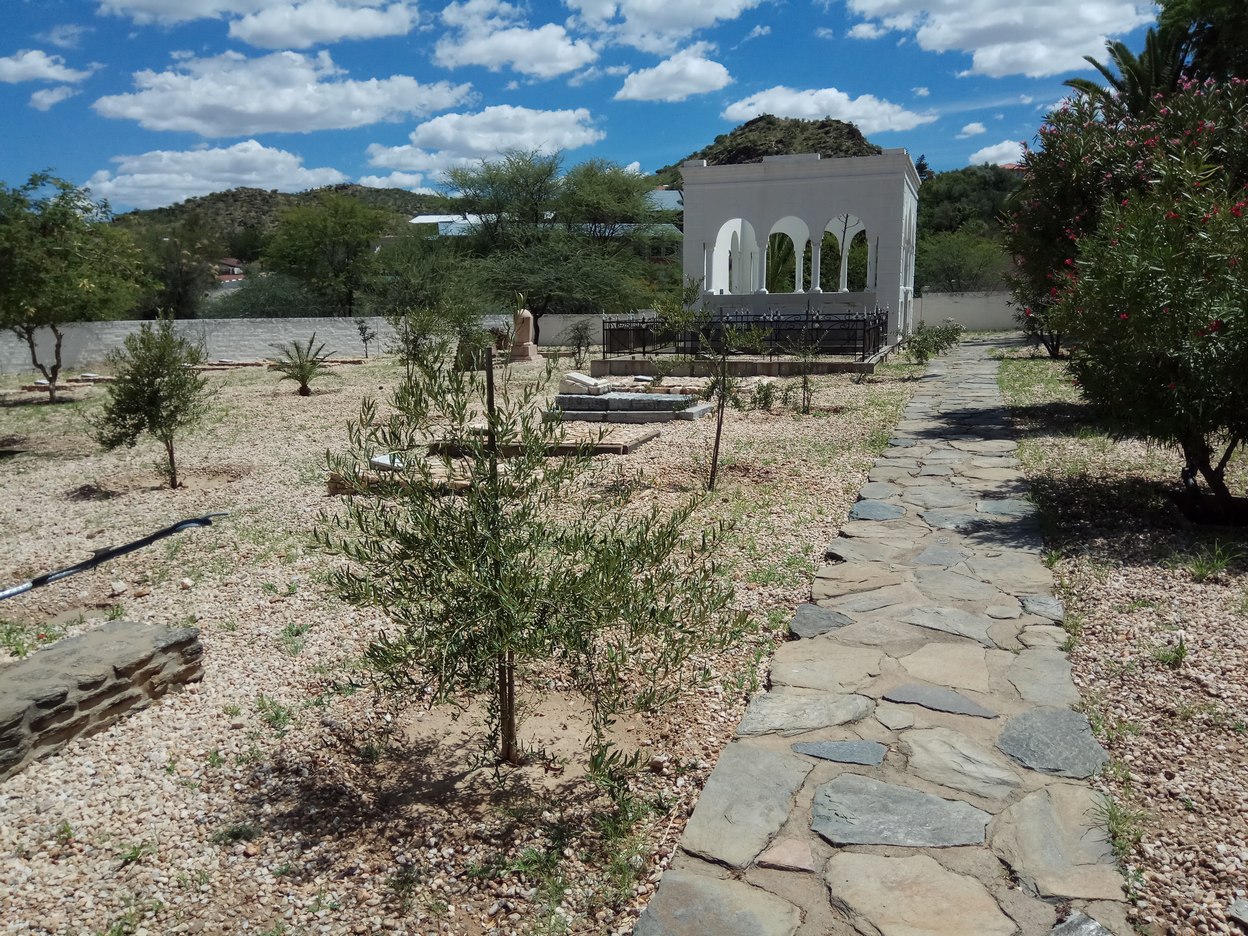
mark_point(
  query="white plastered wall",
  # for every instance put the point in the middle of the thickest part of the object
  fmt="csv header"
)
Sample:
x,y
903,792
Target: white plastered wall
x,y
731,210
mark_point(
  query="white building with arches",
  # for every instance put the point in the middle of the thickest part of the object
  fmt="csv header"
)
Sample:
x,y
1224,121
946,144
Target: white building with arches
x,y
735,215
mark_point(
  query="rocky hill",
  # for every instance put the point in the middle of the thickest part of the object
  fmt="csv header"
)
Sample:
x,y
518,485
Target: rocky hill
x,y
777,136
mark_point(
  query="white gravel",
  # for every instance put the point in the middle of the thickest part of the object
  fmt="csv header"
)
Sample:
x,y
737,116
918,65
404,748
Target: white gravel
x,y
148,827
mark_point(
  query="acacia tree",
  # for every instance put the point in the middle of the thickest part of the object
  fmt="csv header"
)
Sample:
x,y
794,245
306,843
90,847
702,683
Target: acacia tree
x,y
519,573
329,247
567,242
61,262
155,390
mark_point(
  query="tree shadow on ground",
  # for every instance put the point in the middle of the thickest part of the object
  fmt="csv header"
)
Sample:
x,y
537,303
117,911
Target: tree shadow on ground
x,y
340,803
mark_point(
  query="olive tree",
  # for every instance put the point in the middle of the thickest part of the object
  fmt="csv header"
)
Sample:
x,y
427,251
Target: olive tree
x,y
155,391
494,563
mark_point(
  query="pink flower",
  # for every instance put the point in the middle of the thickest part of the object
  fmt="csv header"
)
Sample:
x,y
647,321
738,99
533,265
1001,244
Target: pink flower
x,y
1123,316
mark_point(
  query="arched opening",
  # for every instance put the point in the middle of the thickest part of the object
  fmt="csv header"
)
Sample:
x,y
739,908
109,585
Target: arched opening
x,y
787,241
734,260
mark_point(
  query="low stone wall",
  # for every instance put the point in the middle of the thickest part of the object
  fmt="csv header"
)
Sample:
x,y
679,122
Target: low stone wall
x,y
83,684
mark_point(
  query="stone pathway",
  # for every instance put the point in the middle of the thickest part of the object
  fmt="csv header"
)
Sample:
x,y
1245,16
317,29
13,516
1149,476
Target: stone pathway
x,y
916,766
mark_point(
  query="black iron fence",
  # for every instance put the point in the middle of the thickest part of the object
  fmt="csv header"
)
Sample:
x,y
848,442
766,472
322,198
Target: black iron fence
x,y
779,333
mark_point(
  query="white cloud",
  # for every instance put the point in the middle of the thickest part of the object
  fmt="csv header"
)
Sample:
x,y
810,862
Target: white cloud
x,y
686,73
64,36
460,139
37,65
180,11
543,53
412,181
869,113
594,73
48,98
972,129
999,154
866,31
634,167
162,177
757,32
823,32
317,22
492,34
1005,37
232,95
657,25
1025,99
921,92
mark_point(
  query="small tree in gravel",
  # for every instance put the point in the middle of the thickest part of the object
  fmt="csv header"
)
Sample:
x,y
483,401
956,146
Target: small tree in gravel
x,y
302,363
367,334
720,344
155,390
521,575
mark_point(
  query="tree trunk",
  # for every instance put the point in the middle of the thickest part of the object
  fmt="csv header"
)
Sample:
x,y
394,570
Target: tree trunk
x,y
1198,457
719,430
28,333
173,465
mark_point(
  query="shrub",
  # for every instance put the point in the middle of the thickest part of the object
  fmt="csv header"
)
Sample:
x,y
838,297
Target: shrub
x,y
928,341
155,390
1159,302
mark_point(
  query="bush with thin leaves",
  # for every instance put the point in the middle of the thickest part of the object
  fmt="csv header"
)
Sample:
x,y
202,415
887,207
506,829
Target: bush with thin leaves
x,y
929,341
302,363
523,573
155,390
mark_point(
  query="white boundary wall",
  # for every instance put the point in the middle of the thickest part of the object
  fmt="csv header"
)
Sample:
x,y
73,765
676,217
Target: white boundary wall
x,y
977,311
241,339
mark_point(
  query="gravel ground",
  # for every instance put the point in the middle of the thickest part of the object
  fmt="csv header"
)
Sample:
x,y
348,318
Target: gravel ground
x,y
1159,620
271,797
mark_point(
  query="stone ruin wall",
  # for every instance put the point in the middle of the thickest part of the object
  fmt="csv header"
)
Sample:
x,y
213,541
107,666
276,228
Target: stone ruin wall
x,y
83,684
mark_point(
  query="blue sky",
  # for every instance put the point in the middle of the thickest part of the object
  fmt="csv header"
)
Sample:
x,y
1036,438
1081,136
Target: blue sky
x,y
152,101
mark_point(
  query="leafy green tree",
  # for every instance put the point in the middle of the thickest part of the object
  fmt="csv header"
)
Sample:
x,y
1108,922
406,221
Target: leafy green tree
x,y
1218,35
1158,294
959,261
329,247
178,260
519,575
155,391
971,199
61,262
568,242
268,295
302,363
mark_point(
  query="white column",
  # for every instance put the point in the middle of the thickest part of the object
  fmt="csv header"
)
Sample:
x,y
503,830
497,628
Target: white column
x,y
842,284
799,259
816,258
762,266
